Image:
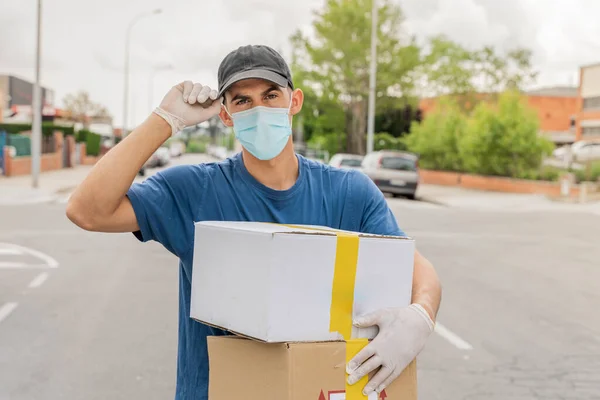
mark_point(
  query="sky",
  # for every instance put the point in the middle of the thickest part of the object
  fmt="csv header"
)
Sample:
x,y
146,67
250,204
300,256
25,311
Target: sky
x,y
83,41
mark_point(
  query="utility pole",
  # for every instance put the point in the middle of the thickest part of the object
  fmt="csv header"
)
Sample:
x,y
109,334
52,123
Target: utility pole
x,y
36,128
372,80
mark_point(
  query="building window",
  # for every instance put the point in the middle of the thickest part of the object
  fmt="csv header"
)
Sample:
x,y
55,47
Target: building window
x,y
591,131
573,122
591,103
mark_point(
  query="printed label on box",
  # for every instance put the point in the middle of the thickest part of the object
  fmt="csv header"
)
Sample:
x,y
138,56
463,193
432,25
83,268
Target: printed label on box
x,y
341,395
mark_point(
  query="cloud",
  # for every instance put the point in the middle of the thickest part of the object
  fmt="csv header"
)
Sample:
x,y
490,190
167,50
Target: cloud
x,y
83,41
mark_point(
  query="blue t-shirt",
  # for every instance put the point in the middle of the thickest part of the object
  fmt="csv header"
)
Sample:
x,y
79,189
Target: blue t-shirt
x,y
167,204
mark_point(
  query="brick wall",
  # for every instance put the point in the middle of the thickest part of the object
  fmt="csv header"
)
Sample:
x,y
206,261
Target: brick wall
x,y
15,166
492,183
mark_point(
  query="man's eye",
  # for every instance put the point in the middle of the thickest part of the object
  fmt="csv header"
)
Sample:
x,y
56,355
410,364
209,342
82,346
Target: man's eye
x,y
242,101
271,96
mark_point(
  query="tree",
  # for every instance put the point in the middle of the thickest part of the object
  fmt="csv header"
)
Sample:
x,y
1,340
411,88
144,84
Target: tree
x,y
336,62
80,108
473,75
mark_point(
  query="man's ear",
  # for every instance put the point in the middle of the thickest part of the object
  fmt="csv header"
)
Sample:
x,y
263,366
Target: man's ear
x,y
297,101
225,118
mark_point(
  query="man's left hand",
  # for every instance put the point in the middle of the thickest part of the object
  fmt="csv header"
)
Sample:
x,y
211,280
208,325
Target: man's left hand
x,y
402,335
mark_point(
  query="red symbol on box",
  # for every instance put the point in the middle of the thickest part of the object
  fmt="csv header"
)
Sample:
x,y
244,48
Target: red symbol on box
x,y
383,395
322,396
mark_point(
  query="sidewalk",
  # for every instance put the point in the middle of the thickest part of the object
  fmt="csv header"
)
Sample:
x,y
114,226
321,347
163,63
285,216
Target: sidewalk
x,y
494,201
18,190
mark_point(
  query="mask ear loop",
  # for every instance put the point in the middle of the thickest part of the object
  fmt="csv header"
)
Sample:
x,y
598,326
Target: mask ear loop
x,y
291,99
226,110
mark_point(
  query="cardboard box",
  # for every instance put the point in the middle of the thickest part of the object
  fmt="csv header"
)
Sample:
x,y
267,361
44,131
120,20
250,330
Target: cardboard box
x,y
251,370
279,283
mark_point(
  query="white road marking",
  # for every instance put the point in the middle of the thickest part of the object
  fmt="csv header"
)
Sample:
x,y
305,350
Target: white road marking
x,y
39,280
10,251
49,262
7,264
452,337
6,309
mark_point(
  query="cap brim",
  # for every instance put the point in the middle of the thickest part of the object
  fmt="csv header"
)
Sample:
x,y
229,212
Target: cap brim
x,y
255,74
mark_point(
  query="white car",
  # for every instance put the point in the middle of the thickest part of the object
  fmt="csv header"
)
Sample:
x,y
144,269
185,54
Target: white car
x,y
581,151
164,156
341,160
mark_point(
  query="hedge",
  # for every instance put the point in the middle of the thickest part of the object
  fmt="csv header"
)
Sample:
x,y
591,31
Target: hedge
x,y
48,128
92,141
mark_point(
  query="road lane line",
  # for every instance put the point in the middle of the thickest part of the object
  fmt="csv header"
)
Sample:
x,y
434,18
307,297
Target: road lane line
x,y
6,309
10,252
452,337
39,280
50,262
6,264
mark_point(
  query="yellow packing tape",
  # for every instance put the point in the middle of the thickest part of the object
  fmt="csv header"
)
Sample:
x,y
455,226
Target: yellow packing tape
x,y
342,301
344,277
354,392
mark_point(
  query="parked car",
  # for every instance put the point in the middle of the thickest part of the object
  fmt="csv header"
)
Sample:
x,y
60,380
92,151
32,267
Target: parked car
x,y
342,160
580,151
164,156
393,172
177,149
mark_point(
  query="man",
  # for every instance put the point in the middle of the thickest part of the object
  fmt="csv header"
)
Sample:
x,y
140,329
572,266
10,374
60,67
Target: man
x,y
268,182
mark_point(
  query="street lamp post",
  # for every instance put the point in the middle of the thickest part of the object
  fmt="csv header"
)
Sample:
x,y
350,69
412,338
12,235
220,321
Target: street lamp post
x,y
372,79
126,77
153,72
36,126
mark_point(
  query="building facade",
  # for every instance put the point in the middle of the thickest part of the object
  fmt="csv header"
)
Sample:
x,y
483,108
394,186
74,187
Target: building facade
x,y
588,121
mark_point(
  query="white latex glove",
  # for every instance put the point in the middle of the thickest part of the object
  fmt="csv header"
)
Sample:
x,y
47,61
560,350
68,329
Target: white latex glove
x,y
402,335
188,104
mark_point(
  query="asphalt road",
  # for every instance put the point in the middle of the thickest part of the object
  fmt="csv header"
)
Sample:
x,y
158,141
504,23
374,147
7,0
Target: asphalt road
x,y
94,316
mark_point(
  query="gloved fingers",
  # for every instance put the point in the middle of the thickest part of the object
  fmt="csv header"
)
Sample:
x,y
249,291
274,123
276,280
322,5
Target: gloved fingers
x,y
193,97
367,352
368,366
388,381
215,107
381,376
187,89
367,320
203,95
213,95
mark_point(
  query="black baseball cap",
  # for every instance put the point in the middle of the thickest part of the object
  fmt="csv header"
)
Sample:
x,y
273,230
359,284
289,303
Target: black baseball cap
x,y
253,61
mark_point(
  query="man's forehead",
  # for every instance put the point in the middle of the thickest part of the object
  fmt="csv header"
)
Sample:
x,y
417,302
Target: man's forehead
x,y
251,85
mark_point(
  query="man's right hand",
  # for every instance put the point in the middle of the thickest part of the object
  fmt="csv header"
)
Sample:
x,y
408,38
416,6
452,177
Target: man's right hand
x,y
188,104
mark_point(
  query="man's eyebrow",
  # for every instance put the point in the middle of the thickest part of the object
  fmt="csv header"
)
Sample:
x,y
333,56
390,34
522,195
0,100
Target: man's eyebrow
x,y
271,88
240,96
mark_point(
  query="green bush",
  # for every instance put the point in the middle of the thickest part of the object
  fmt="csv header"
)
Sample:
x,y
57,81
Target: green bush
x,y
48,128
503,139
385,141
15,128
500,139
330,142
195,146
438,139
590,172
92,143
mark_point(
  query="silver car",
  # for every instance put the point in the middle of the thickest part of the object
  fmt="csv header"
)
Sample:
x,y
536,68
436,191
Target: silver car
x,y
394,172
342,160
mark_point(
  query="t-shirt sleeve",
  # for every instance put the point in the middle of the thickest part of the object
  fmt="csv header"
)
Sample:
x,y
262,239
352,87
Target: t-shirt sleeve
x,y
163,210
373,211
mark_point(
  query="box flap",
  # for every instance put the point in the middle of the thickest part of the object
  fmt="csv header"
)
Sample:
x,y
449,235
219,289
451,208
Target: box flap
x,y
273,228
